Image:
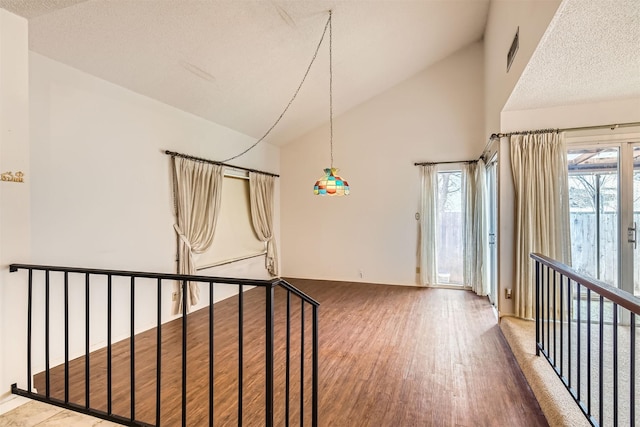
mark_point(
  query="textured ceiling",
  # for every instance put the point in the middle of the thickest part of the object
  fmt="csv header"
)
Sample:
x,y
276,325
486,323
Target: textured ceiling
x,y
31,9
238,63
589,53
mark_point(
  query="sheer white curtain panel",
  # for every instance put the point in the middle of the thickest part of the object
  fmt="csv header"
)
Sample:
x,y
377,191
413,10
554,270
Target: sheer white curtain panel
x,y
476,238
197,194
540,176
468,187
428,220
475,226
261,190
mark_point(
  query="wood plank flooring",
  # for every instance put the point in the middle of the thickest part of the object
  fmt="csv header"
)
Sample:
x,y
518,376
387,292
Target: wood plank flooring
x,y
389,356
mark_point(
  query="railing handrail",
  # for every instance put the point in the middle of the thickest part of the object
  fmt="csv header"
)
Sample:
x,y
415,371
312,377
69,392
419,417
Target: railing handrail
x,y
298,292
169,276
146,275
615,295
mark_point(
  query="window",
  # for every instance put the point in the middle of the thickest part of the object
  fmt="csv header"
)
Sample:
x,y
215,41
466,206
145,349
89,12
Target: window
x,y
450,240
234,238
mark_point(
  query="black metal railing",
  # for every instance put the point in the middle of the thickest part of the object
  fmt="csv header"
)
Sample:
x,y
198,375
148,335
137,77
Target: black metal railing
x,y
587,331
94,326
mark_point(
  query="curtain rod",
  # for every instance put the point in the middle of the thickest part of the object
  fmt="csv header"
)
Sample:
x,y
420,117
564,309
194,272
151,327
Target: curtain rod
x,y
444,163
198,159
529,132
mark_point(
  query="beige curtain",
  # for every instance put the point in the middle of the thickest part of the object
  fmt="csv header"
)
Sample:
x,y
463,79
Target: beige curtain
x,y
475,227
468,227
261,190
428,221
539,166
197,193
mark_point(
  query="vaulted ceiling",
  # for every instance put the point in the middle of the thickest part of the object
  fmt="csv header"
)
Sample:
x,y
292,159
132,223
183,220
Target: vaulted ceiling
x,y
238,63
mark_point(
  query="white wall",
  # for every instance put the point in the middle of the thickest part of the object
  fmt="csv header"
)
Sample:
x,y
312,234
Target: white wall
x,y
14,197
101,194
436,115
505,17
625,110
533,18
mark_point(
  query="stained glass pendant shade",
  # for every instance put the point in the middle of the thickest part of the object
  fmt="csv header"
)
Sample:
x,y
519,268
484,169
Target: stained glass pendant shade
x,y
331,184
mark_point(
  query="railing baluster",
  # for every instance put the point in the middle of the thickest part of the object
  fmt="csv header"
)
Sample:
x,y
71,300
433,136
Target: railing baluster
x,y
87,331
615,365
589,350
66,337
269,347
301,363
109,371
548,319
578,338
569,317
316,350
46,339
561,327
240,352
287,380
555,297
159,352
185,290
29,328
211,355
632,369
537,285
132,357
601,363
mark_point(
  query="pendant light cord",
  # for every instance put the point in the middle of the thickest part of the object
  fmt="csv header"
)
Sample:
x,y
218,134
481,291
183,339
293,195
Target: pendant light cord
x,y
315,54
331,87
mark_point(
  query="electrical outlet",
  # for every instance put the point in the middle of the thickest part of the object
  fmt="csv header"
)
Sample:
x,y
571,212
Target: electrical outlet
x,y
174,296
361,273
507,293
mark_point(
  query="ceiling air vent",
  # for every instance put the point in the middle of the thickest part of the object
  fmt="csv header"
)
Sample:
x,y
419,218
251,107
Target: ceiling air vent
x,y
513,49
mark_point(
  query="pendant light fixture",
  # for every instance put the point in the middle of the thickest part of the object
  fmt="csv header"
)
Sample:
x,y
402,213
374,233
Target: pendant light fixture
x,y
331,184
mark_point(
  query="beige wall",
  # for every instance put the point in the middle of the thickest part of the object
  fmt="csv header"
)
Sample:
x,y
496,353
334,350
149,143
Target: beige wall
x,y
625,110
505,16
533,18
100,191
14,197
433,116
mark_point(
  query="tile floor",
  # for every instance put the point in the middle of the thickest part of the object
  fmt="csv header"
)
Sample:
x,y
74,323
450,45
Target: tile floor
x,y
38,414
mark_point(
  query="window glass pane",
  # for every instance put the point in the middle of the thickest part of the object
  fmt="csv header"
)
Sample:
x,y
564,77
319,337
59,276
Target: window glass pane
x,y
593,207
636,218
449,244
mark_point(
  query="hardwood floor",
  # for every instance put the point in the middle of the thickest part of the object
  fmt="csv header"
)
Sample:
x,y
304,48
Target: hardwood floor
x,y
389,356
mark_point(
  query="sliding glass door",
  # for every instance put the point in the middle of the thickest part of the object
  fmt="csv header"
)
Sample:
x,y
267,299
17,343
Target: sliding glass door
x,y
632,231
593,210
492,192
450,243
604,199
